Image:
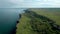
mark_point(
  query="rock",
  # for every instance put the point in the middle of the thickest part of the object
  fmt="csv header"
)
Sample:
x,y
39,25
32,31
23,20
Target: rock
x,y
17,21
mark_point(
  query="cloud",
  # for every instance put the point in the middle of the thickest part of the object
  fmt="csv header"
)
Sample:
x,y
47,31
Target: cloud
x,y
6,4
29,3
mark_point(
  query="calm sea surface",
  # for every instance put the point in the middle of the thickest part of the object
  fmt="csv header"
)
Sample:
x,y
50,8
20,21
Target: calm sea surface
x,y
8,18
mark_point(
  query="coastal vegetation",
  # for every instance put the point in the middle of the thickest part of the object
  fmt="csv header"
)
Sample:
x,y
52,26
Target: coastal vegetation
x,y
36,21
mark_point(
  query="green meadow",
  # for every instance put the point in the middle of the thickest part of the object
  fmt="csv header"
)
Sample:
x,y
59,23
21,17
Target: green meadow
x,y
53,14
36,21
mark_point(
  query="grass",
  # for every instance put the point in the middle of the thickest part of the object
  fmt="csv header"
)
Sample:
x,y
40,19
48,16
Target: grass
x,y
24,26
54,15
30,24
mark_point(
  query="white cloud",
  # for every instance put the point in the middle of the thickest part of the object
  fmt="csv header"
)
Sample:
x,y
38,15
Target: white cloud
x,y
32,3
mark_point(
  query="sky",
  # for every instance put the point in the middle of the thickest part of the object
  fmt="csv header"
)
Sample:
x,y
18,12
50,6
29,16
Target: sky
x,y
29,3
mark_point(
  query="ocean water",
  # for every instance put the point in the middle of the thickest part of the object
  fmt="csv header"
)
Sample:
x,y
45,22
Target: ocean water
x,y
8,18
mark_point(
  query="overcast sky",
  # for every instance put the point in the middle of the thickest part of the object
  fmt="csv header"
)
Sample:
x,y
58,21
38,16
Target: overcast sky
x,y
29,3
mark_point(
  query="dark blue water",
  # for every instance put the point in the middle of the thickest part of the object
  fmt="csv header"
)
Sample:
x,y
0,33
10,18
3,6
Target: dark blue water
x,y
8,18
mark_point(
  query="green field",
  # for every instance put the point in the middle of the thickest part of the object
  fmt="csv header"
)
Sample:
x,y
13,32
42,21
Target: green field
x,y
53,14
33,23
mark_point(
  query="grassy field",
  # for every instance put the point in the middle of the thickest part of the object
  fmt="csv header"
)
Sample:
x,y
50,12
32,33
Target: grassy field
x,y
24,26
33,23
52,14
